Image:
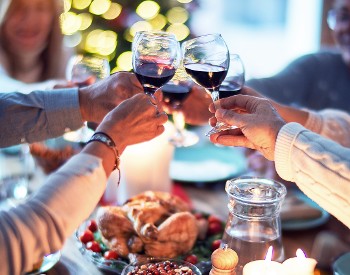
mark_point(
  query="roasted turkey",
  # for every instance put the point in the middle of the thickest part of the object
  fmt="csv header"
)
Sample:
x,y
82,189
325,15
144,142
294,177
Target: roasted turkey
x,y
157,224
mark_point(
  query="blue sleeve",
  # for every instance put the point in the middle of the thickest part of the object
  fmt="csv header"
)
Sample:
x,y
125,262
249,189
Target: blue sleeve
x,y
38,116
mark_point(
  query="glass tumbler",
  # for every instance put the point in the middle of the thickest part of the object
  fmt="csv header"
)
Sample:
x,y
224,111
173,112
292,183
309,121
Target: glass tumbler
x,y
254,222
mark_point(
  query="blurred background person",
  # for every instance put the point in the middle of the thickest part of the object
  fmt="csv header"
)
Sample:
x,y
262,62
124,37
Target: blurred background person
x,y
319,80
315,81
31,45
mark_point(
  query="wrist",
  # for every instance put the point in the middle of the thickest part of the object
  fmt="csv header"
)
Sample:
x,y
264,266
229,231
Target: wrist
x,y
105,139
84,103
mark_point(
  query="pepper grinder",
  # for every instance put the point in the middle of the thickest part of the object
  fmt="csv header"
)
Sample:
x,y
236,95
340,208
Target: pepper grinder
x,y
224,261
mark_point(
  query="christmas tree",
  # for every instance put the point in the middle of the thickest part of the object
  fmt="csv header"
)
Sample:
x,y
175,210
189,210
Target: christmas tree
x,y
106,27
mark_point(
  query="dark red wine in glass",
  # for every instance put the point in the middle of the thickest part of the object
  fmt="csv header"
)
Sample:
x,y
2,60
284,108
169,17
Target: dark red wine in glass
x,y
152,76
205,75
228,89
174,95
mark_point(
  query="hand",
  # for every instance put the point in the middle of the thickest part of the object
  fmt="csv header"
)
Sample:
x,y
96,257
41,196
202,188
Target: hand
x,y
257,121
135,120
101,97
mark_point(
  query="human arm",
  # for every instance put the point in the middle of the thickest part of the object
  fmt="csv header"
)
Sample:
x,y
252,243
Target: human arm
x,y
46,114
330,123
319,166
41,225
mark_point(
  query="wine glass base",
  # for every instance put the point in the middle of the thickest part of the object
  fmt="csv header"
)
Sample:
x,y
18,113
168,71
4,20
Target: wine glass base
x,y
185,139
219,128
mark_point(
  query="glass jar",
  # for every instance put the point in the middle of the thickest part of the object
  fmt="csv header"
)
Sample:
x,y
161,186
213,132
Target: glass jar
x,y
254,222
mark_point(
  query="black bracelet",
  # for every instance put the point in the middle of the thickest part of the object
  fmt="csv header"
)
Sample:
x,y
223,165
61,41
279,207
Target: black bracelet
x,y
107,140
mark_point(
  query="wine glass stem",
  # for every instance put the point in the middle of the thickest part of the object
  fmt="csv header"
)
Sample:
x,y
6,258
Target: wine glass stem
x,y
179,121
215,97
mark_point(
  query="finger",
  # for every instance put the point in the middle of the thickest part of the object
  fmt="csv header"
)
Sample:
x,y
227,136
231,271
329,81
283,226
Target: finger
x,y
212,108
237,141
245,102
212,121
160,130
162,118
233,118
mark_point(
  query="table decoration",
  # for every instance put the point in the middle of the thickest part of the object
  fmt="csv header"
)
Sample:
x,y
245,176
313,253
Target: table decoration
x,y
299,265
224,261
264,267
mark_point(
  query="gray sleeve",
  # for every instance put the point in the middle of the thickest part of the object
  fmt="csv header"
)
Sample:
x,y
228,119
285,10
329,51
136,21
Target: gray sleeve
x,y
38,116
290,86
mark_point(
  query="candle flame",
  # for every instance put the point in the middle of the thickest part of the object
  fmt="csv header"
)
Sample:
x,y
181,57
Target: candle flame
x,y
300,254
269,254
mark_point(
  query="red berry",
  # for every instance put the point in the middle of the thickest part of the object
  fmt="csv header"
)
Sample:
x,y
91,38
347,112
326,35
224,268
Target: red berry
x,y
213,218
93,246
92,226
198,215
110,255
215,244
215,228
87,236
193,259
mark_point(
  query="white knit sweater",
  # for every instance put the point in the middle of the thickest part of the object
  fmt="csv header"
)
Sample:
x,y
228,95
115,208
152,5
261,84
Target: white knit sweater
x,y
318,165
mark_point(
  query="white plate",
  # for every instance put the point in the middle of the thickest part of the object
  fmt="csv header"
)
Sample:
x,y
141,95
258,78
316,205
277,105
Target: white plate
x,y
308,223
206,162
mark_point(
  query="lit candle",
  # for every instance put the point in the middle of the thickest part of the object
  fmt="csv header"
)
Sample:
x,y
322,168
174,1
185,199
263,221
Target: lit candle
x,y
299,265
264,267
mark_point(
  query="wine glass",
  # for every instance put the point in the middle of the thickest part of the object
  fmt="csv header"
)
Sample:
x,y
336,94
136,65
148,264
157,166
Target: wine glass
x,y
206,59
155,58
83,71
235,78
174,94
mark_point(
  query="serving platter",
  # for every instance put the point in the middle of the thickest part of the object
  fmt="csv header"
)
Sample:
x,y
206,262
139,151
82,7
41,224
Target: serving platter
x,y
202,250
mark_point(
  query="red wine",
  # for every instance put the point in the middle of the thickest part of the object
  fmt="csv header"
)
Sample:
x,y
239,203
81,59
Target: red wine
x,y
174,95
153,76
228,89
207,76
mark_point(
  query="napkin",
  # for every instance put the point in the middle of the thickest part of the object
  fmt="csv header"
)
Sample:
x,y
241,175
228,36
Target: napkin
x,y
295,207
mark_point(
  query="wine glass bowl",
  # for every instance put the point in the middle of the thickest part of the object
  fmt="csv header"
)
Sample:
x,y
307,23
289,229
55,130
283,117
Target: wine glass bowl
x,y
173,97
155,58
235,78
206,59
86,70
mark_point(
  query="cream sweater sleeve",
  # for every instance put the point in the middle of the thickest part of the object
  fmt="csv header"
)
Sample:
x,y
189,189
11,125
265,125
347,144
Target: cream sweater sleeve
x,y
41,225
330,123
319,166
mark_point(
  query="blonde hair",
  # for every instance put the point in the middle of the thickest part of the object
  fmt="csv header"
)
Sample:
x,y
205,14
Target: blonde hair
x,y
53,56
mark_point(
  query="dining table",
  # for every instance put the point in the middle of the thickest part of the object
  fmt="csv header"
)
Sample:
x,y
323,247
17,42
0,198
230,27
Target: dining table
x,y
211,199
326,240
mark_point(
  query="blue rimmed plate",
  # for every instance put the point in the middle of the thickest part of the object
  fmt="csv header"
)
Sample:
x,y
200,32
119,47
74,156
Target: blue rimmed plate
x,y
206,162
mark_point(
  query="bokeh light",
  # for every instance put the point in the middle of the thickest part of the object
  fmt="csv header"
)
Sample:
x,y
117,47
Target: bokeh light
x,y
177,15
67,5
140,26
184,1
99,7
148,9
113,12
181,31
101,42
86,21
70,22
73,40
124,61
81,4
158,22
